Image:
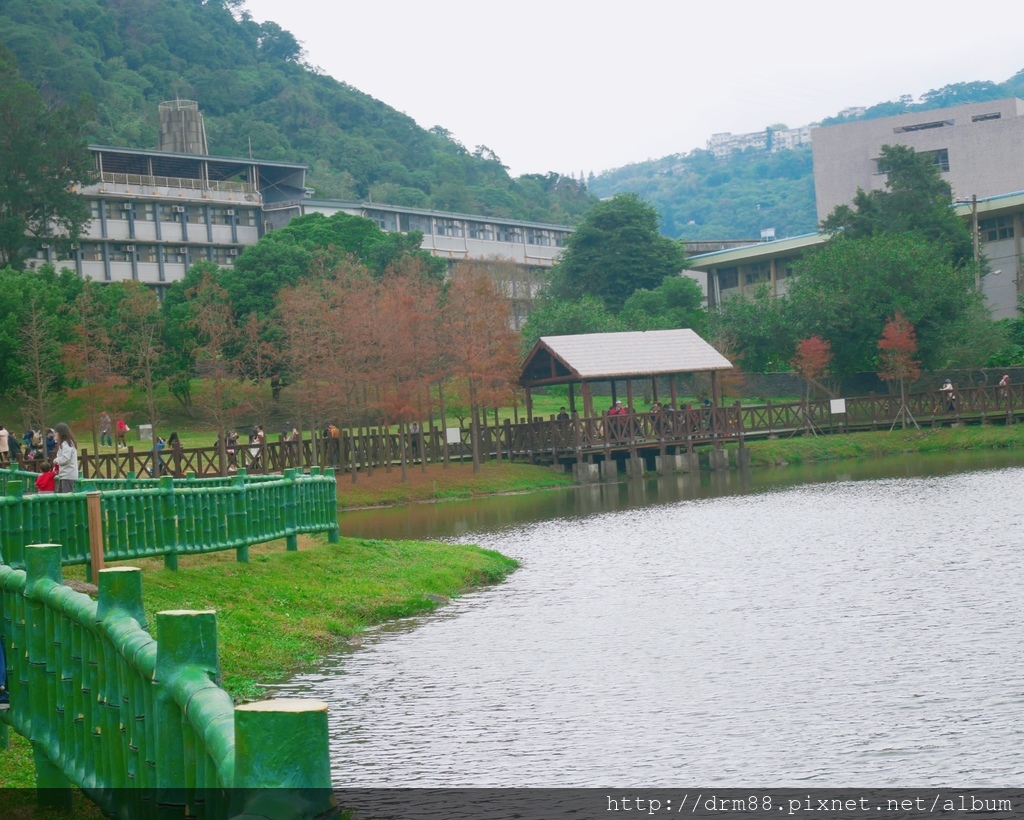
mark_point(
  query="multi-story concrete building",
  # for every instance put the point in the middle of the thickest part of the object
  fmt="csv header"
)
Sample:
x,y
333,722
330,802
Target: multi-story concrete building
x,y
155,213
978,147
998,221
448,235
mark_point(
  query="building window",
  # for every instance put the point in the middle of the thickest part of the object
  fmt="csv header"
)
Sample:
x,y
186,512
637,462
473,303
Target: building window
x,y
117,210
224,256
480,230
728,278
247,217
221,216
992,230
941,158
175,254
538,237
385,220
95,208
414,222
561,240
986,117
759,272
507,233
196,214
121,253
783,270
146,211
92,252
448,227
147,253
171,213
923,126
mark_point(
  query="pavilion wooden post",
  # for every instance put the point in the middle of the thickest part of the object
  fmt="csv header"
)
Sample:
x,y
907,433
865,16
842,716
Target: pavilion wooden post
x,y
572,398
654,388
529,405
714,389
588,400
614,396
629,393
672,389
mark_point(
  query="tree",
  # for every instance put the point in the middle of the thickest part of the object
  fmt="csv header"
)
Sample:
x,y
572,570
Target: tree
x,y
916,200
846,291
140,330
566,317
616,249
811,361
92,356
676,303
43,154
896,357
758,328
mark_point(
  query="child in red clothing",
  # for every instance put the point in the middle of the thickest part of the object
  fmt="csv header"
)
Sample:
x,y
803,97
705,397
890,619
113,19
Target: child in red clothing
x,y
47,481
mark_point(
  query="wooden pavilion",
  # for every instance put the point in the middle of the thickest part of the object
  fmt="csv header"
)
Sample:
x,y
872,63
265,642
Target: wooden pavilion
x,y
584,359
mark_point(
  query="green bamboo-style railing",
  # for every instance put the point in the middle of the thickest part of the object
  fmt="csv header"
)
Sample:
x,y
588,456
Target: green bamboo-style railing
x,y
142,726
167,517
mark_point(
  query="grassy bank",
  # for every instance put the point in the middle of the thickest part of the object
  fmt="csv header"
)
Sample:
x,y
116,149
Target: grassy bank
x,y
806,449
440,483
284,610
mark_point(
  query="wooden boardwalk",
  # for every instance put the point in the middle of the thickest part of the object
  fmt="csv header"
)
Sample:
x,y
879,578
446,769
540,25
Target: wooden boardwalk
x,y
578,440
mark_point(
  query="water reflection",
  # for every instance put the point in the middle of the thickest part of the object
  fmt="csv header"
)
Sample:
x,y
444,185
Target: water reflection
x,y
459,518
726,630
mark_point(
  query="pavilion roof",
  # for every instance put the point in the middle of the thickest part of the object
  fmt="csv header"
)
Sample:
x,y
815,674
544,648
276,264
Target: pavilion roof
x,y
599,356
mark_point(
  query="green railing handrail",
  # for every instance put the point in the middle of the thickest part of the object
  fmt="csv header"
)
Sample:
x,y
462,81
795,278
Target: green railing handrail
x,y
142,726
168,518
131,481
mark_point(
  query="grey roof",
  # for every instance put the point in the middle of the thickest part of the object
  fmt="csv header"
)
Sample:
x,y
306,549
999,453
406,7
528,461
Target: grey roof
x,y
593,356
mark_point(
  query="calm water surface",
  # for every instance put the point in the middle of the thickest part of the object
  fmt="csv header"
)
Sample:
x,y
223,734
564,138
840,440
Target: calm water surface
x,y
733,630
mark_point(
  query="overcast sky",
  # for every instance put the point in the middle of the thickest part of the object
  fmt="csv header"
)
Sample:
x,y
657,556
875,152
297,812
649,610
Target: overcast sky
x,y
570,86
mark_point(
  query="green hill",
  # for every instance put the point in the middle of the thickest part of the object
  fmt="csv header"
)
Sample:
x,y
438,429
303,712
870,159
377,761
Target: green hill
x,y
119,58
700,197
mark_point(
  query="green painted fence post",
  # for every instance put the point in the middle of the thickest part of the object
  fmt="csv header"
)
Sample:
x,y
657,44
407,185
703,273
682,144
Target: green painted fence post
x,y
291,504
187,646
282,760
332,507
168,523
120,590
239,520
14,536
43,573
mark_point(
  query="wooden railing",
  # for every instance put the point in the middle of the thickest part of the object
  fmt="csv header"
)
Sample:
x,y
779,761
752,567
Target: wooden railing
x,y
370,448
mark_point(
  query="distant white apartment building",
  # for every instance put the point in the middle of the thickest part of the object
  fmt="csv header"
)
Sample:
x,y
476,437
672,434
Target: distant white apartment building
x,y
724,144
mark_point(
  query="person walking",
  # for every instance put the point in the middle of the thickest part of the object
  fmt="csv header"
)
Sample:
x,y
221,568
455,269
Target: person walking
x,y
5,446
105,437
66,459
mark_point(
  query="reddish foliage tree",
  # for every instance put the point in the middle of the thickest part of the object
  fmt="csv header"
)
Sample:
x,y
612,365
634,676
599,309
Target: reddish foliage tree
x,y
812,359
896,355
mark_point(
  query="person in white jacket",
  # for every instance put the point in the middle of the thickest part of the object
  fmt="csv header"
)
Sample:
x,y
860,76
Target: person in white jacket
x,y
66,459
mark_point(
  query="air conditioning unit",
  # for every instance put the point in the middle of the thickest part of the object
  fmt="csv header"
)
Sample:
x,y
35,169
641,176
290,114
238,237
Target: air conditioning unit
x,y
75,246
178,209
126,206
183,251
232,251
230,212
129,249
46,247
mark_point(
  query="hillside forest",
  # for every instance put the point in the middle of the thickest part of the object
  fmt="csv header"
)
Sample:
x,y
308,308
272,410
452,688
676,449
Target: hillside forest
x,y
701,197
115,61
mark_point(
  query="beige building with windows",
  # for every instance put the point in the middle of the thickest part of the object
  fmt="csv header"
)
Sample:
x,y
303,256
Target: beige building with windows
x,y
978,147
1000,226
